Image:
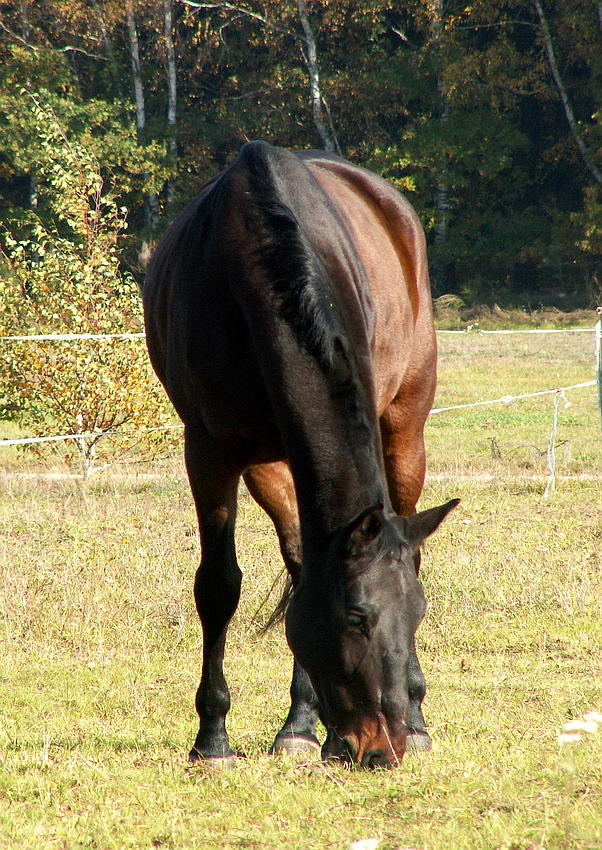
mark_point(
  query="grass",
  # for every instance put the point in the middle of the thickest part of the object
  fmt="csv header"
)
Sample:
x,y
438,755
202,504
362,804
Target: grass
x,y
99,648
453,314
512,439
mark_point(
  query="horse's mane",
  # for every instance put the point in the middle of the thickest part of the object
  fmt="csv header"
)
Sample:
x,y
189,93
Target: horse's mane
x,y
305,296
291,266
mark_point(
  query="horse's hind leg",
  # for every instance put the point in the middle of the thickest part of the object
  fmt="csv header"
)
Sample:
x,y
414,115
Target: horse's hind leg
x,y
404,455
213,481
271,485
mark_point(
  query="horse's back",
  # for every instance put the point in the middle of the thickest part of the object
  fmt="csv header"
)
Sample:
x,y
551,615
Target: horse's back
x,y
206,297
390,241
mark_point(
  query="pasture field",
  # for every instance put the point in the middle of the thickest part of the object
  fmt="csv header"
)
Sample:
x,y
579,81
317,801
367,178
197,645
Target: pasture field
x,y
99,647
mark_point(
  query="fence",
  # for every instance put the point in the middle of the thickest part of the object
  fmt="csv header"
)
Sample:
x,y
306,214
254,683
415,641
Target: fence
x,y
557,392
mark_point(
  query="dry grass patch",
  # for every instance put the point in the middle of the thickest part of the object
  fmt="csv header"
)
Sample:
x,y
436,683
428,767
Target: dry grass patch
x,y
99,663
100,646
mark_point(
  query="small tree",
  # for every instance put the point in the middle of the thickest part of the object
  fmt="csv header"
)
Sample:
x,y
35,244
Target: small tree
x,y
68,279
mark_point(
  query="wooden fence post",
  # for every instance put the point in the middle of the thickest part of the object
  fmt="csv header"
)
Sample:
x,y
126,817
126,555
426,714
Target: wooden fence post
x,y
599,360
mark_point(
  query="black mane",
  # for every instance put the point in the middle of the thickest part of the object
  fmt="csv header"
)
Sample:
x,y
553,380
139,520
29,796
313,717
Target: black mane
x,y
293,269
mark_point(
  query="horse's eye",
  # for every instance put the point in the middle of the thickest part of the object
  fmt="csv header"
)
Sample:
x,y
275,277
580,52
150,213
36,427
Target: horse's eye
x,y
357,620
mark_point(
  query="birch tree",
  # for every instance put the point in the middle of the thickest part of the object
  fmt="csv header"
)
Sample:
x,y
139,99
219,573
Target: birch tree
x,y
564,96
32,190
151,201
311,60
171,87
442,204
108,42
309,52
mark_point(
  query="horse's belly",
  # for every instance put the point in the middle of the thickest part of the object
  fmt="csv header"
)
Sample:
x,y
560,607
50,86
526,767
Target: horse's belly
x,y
223,389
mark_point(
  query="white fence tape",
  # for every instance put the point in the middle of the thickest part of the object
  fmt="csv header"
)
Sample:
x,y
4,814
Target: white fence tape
x,y
469,330
506,399
544,331
472,330
23,441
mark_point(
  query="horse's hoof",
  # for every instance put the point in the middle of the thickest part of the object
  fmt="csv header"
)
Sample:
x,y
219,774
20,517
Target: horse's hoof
x,y
418,741
291,745
214,762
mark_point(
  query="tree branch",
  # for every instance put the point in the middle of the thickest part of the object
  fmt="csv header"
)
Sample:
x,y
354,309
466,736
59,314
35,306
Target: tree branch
x,y
70,49
16,37
568,109
402,36
33,47
232,7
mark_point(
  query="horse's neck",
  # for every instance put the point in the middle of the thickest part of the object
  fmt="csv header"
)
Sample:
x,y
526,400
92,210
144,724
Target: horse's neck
x,y
331,437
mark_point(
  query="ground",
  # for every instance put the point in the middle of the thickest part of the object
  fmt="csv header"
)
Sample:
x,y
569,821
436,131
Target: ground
x,y
99,646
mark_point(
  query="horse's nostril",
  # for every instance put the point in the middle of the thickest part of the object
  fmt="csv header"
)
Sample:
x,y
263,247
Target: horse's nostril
x,y
375,758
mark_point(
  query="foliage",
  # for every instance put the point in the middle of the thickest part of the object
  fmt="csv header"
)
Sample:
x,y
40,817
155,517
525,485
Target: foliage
x,y
68,280
455,103
104,128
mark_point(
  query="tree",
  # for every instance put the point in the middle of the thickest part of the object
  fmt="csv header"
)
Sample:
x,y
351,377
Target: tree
x,y
69,280
151,206
172,86
491,168
564,96
486,114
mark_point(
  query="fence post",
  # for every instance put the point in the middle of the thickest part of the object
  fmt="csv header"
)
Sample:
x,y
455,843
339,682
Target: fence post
x,y
599,360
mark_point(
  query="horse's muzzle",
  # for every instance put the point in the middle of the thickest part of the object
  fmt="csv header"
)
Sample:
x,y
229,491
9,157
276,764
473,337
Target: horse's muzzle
x,y
374,745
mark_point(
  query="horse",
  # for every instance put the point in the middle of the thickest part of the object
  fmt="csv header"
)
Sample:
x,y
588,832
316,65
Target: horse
x,y
288,316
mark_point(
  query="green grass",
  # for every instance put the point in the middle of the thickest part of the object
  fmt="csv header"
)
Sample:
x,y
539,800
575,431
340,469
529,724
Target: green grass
x,y
512,439
99,651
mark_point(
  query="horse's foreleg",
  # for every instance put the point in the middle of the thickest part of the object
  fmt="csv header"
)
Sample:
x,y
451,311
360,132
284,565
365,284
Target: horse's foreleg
x,y
213,481
405,465
404,456
271,485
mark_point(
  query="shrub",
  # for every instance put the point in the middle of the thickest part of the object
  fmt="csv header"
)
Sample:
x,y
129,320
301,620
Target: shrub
x,y
68,279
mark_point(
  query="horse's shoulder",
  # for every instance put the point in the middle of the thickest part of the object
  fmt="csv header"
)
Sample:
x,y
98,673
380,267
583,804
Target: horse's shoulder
x,y
368,186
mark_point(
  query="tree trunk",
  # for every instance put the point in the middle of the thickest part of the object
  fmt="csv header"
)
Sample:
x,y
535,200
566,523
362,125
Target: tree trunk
x,y
442,196
171,88
151,204
568,109
442,205
136,72
32,187
23,9
314,79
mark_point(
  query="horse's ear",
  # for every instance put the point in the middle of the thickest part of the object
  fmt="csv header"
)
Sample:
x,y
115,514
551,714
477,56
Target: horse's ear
x,y
417,527
361,534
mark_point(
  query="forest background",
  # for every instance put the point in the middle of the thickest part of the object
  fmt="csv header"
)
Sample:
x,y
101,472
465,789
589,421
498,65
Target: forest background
x,y
486,114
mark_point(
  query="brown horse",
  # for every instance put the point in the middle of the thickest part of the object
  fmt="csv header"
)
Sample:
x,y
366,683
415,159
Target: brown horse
x,y
288,315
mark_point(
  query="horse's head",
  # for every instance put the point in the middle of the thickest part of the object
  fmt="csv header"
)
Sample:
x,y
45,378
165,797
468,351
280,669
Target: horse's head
x,y
351,625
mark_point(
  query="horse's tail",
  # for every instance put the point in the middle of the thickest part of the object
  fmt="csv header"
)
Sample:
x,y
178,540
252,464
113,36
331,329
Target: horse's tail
x,y
279,612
